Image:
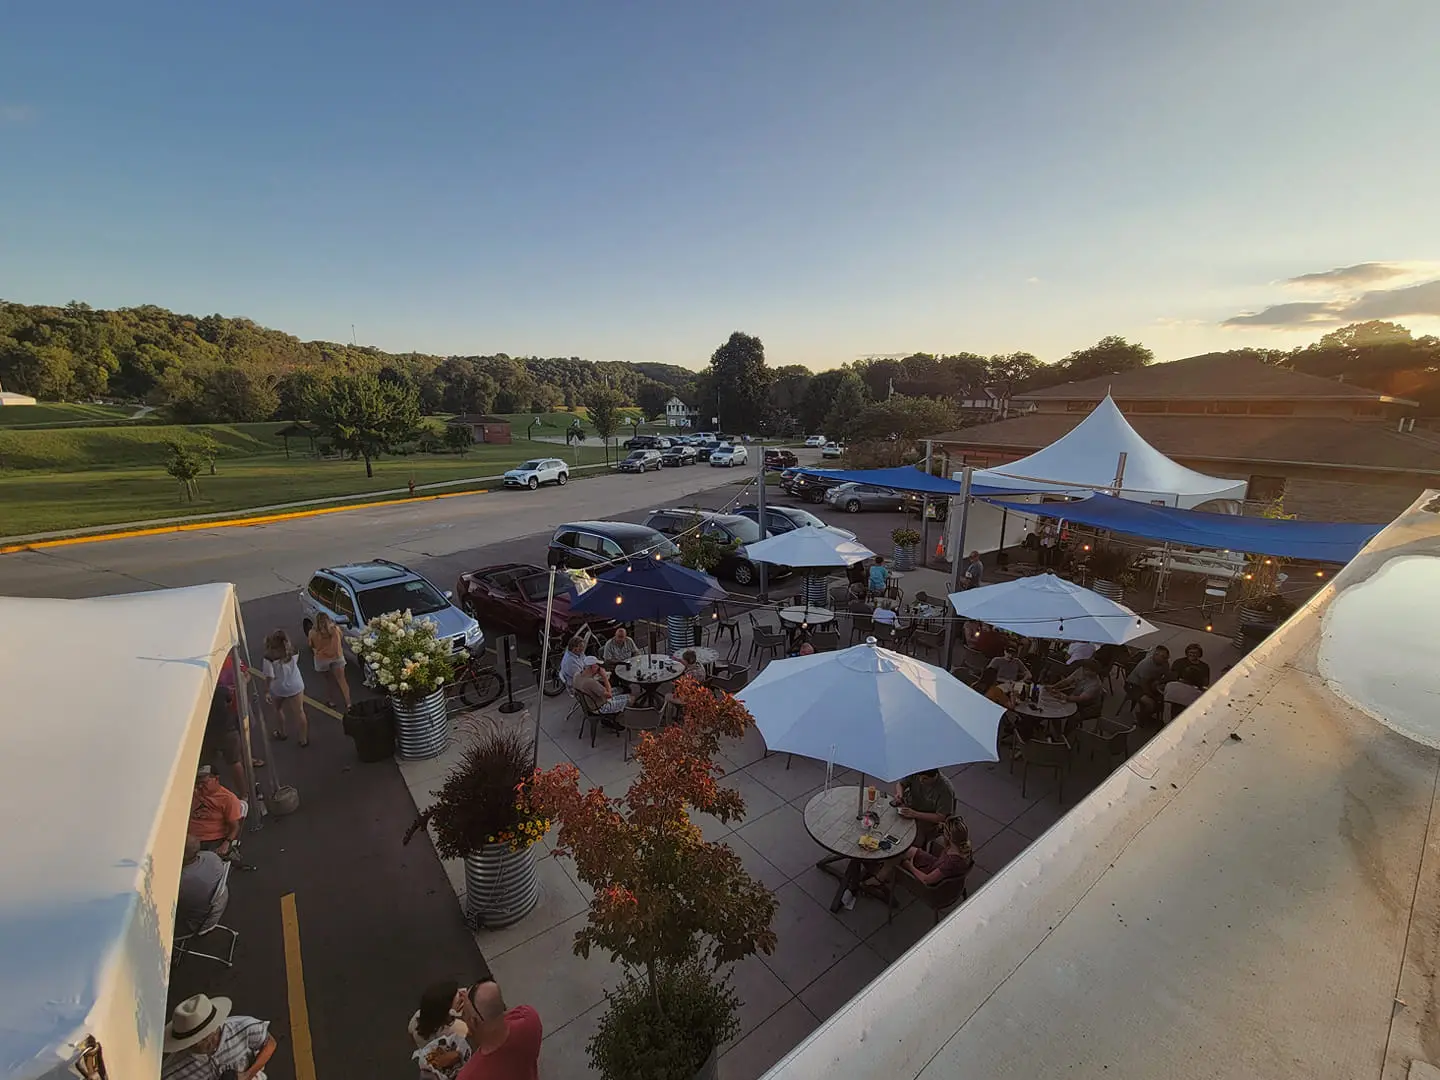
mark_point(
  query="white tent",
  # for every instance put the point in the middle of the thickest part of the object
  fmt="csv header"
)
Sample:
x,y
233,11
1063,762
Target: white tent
x,y
1089,458
105,703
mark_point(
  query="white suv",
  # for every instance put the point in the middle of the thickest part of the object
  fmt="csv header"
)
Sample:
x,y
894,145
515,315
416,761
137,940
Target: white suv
x,y
813,441
729,455
531,474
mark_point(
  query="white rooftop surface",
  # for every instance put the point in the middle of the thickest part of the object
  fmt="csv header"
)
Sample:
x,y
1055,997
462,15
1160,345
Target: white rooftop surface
x,y
1088,456
1255,894
104,703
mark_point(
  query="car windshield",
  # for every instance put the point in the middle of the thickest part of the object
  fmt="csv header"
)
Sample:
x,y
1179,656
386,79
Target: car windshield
x,y
419,597
536,588
804,517
744,530
534,464
657,545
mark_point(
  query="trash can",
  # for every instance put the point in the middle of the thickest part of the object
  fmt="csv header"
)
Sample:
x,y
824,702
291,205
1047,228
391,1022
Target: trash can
x,y
372,725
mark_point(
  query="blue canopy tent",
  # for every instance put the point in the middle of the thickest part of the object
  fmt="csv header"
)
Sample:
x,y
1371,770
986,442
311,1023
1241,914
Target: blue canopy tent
x,y
909,478
1320,541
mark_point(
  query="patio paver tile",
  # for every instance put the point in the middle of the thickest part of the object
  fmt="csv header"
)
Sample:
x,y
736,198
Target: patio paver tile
x,y
996,854
780,836
767,1044
810,940
993,790
547,972
759,867
892,939
843,981
562,1052
761,992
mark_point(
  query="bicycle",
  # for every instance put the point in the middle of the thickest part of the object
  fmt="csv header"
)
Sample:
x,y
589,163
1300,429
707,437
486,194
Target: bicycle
x,y
475,684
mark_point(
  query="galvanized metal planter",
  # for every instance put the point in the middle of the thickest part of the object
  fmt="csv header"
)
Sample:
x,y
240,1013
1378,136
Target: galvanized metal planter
x,y
816,591
710,1069
422,728
680,631
903,556
500,886
1111,590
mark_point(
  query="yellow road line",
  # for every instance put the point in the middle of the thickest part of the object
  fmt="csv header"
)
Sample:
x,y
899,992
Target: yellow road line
x,y
300,1042
226,523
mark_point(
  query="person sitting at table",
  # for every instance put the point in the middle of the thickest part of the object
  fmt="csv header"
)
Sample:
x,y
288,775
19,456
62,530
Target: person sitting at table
x,y
1009,667
927,799
1145,685
574,661
1083,687
619,648
593,686
955,860
1191,668
1077,651
985,639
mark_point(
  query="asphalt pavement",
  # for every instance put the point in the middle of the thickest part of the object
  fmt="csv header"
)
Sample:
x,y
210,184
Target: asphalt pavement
x,y
341,927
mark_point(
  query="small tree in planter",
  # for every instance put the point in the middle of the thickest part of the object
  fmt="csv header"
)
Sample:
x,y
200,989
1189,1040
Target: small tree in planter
x,y
485,813
670,907
1110,571
403,654
906,542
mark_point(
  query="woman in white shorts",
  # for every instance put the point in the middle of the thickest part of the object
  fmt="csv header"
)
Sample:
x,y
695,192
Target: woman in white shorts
x,y
286,688
329,649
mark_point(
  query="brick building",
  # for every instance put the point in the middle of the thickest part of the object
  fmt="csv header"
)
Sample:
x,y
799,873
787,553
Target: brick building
x,y
1335,451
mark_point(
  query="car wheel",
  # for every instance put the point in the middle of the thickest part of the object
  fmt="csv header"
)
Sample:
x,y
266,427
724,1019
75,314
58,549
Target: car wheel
x,y
563,479
853,506
744,573
534,483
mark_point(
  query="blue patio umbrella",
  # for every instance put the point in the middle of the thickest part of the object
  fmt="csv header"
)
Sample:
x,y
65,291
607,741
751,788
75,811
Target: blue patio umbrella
x,y
649,589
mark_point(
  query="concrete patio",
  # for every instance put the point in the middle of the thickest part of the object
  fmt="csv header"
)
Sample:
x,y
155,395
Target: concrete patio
x,y
822,959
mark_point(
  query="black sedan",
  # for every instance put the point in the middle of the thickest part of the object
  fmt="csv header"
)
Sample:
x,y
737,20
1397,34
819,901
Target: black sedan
x,y
677,456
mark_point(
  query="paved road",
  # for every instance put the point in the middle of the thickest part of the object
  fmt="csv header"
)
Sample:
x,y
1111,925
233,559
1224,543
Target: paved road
x,y
265,559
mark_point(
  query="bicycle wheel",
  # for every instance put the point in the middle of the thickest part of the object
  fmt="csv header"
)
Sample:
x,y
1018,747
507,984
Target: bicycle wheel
x,y
481,687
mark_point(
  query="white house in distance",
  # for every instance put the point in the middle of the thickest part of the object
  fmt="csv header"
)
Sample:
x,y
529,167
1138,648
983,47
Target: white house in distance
x,y
7,398
678,414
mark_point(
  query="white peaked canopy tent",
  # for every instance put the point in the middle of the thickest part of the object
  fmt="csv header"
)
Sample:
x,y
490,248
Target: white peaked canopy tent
x,y
105,703
1089,457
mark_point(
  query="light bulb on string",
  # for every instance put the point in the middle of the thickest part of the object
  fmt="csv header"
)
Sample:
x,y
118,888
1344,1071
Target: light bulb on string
x,y
1209,628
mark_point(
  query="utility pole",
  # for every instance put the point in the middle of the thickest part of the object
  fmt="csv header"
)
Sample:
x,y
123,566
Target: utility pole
x,y
760,503
957,562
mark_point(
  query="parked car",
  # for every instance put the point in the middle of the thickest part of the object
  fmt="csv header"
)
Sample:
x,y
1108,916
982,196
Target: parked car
x,y
647,442
583,544
355,593
640,461
810,485
780,459
531,474
852,498
678,455
783,519
725,528
831,450
812,441
727,455
511,597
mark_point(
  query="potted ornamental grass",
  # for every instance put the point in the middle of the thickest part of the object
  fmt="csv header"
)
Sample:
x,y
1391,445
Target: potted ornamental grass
x,y
1110,572
907,543
670,907
405,656
485,813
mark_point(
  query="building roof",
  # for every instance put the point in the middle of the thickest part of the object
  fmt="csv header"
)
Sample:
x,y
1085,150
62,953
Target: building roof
x,y
1335,442
1252,893
1211,377
478,418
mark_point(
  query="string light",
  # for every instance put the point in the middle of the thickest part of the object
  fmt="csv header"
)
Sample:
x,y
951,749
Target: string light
x,y
1209,628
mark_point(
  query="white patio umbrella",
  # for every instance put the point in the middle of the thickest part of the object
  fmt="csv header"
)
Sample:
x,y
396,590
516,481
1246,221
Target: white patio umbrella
x,y
810,546
872,710
1046,606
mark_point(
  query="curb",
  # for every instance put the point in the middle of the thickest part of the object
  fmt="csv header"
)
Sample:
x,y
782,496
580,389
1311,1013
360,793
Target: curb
x,y
225,523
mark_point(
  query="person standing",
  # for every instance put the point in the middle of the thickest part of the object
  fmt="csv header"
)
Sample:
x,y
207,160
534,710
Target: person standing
x,y
281,670
879,576
974,571
504,1042
204,1041
328,646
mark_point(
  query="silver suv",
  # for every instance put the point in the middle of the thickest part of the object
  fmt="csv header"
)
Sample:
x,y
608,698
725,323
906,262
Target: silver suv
x,y
355,593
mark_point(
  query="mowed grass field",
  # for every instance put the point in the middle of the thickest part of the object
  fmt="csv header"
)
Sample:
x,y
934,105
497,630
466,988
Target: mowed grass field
x,y
34,500
55,413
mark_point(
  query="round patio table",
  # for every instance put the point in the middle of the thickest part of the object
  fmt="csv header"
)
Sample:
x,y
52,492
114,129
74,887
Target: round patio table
x,y
799,619
1048,709
832,822
649,672
704,655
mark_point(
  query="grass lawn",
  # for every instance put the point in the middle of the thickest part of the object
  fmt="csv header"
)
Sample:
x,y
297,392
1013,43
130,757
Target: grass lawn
x,y
79,448
32,502
58,413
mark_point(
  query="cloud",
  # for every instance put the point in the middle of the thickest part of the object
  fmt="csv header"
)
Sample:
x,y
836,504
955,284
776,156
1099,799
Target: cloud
x,y
1032,281
1412,300
16,114
1349,276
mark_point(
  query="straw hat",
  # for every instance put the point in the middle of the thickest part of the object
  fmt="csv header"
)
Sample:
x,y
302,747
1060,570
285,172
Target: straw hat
x,y
194,1019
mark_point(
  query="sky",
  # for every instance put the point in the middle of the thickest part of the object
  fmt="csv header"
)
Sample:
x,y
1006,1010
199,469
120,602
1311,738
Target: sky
x,y
634,181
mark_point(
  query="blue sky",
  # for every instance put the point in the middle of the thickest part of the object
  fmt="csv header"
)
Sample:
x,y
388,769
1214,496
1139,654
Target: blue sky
x,y
629,181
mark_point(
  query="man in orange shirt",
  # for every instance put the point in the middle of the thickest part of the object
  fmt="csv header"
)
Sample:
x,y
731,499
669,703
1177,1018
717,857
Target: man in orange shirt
x,y
215,813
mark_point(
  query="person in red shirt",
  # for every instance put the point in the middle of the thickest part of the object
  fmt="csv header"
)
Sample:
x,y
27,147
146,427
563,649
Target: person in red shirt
x,y
505,1043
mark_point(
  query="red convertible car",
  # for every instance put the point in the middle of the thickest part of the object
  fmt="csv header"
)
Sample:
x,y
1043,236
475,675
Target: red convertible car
x,y
511,597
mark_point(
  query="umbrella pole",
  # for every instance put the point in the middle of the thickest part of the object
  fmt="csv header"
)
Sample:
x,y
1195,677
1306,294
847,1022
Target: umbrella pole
x,y
860,803
544,668
957,560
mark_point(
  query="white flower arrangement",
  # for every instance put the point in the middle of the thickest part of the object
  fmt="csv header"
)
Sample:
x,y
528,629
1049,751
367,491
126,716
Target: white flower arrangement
x,y
405,654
